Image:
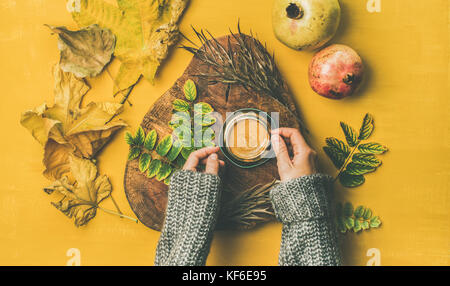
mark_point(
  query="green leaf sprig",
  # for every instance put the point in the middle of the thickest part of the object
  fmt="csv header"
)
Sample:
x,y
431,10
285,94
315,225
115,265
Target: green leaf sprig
x,y
355,158
160,160
358,219
151,156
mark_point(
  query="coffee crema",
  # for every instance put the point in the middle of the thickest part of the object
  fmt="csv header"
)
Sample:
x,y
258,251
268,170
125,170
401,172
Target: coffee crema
x,y
248,139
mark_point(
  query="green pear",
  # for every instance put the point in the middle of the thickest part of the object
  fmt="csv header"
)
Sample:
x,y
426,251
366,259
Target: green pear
x,y
305,24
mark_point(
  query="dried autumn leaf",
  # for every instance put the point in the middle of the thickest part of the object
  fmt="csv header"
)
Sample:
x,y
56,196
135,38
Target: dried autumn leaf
x,y
67,128
85,52
144,30
81,198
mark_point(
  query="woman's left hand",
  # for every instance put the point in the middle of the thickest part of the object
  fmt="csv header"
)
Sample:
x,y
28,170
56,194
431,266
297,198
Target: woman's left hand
x,y
207,156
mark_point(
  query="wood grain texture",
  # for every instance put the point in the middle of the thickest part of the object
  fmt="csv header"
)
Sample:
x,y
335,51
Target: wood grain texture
x,y
148,197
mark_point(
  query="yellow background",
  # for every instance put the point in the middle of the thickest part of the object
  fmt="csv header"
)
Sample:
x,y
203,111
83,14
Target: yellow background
x,y
405,49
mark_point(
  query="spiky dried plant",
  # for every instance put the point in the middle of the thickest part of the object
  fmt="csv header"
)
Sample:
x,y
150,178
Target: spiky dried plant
x,y
248,208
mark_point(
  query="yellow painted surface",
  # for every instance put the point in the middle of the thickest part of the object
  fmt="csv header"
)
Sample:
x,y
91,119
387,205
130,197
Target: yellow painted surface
x,y
406,50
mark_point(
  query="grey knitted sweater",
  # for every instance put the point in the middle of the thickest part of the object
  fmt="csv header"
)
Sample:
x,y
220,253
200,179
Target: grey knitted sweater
x,y
302,205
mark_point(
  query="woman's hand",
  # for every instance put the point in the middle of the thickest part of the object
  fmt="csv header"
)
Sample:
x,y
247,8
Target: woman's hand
x,y
207,156
303,159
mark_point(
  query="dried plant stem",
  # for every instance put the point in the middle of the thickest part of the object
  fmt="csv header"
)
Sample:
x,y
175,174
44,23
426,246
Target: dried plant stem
x,y
122,102
115,204
119,89
117,214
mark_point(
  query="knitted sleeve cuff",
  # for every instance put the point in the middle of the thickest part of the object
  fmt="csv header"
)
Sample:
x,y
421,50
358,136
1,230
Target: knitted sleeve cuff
x,y
301,199
191,191
190,219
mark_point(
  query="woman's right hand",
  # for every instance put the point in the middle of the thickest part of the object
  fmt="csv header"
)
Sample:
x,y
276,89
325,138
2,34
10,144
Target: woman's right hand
x,y
303,160
207,156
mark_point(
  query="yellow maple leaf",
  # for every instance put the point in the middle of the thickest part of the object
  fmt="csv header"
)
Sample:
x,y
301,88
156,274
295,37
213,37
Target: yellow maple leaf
x,y
81,198
145,29
67,128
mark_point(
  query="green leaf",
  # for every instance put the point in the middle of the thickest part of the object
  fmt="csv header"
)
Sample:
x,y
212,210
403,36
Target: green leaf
x,y
339,145
164,145
134,153
337,157
144,162
198,143
183,133
188,144
208,133
375,222
366,159
139,137
164,172
150,140
175,150
203,108
341,225
367,214
349,222
167,180
366,128
350,135
204,120
359,211
357,227
365,225
372,148
180,105
347,211
357,219
129,139
351,181
208,144
190,90
154,167
358,169
180,118
186,152
179,161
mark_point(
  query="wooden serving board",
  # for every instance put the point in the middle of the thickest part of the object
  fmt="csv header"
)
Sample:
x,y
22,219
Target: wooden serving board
x,y
148,197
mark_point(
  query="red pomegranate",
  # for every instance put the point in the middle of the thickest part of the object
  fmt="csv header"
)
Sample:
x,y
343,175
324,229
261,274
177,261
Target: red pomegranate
x,y
336,72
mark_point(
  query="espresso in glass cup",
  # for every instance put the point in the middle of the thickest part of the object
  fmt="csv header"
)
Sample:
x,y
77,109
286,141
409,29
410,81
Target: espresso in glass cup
x,y
246,137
